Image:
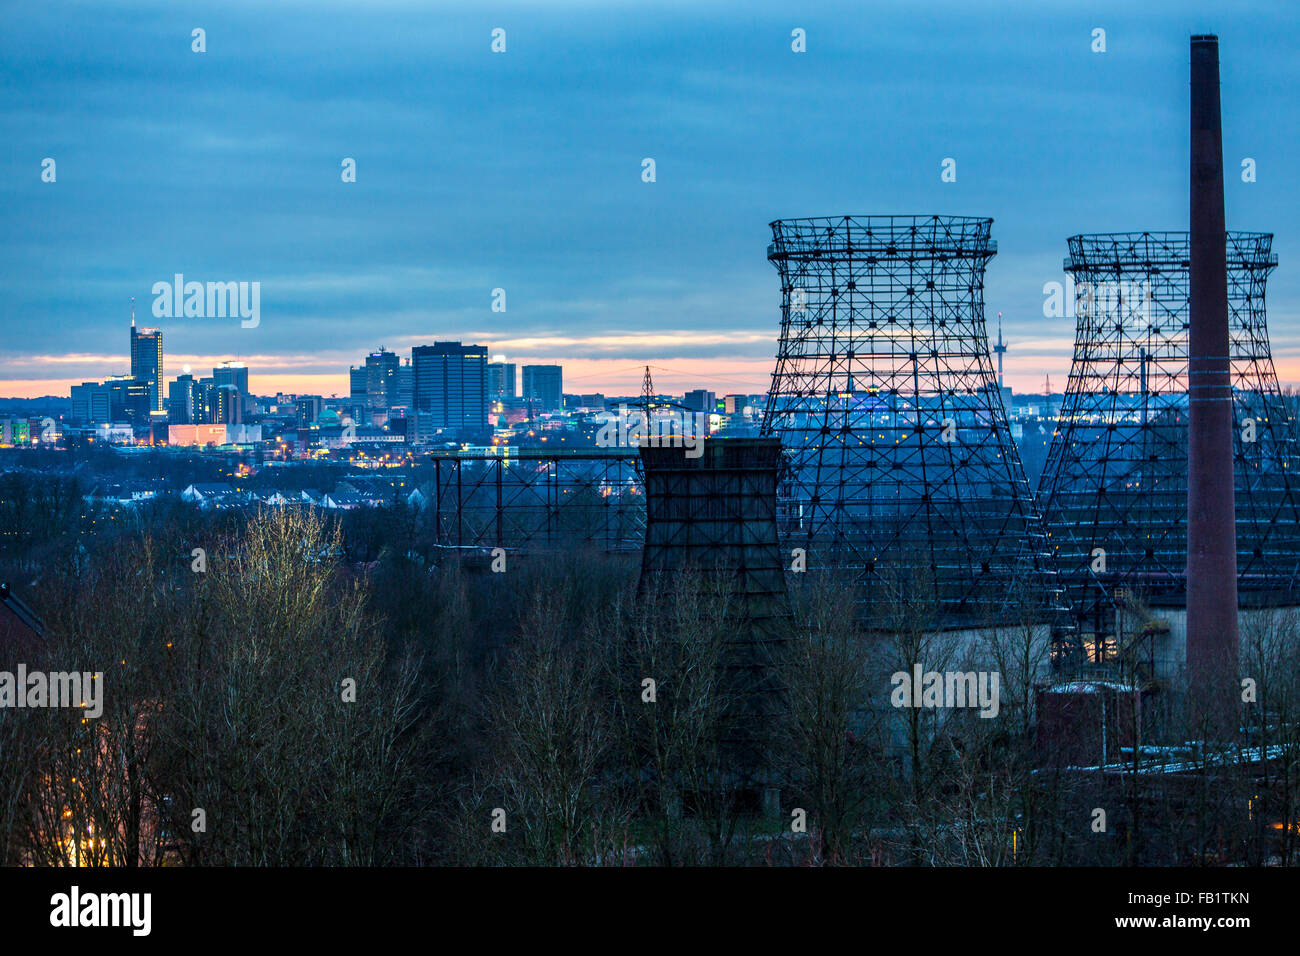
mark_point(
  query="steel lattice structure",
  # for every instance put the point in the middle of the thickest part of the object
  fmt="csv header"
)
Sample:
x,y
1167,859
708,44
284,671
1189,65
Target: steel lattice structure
x,y
1116,473
538,501
885,398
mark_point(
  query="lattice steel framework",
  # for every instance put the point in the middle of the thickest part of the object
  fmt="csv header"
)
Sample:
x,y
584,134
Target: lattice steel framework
x,y
1115,483
539,501
884,395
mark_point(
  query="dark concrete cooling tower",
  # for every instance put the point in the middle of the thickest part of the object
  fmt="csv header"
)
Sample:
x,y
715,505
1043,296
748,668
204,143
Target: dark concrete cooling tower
x,y
717,511
713,517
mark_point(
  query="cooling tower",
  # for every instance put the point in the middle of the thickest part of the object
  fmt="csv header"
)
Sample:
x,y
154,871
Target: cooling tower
x,y
712,516
901,463
1115,487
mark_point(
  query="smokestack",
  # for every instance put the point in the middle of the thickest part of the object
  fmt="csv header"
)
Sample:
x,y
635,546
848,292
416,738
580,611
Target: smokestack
x,y
1212,643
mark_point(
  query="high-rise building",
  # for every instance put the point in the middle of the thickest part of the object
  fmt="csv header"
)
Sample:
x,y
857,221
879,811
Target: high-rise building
x,y
357,384
205,405
450,390
543,387
183,400
405,385
700,400
309,409
382,369
501,380
147,362
91,403
235,374
228,406
129,399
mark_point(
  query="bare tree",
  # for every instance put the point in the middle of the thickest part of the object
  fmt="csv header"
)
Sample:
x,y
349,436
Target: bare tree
x,y
92,803
677,700
287,725
832,741
552,741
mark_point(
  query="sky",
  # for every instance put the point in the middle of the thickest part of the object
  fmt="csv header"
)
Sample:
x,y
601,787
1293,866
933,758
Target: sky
x,y
522,171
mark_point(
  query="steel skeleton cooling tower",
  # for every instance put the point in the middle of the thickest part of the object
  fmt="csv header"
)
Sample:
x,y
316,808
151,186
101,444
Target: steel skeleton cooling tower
x,y
1115,483
901,465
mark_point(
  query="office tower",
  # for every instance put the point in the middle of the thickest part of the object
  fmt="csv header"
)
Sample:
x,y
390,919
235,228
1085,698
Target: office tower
x,y
147,362
91,403
205,402
236,375
357,385
501,380
129,399
381,380
309,409
543,387
700,400
405,385
450,391
182,400
229,406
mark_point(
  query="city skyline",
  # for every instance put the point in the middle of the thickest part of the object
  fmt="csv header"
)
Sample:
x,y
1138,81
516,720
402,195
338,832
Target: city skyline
x,y
455,196
173,366
649,435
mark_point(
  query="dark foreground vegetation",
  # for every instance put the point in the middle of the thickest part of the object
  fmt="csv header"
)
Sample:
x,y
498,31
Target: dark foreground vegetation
x,y
337,691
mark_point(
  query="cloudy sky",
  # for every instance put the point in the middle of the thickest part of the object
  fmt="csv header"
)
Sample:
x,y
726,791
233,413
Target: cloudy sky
x,y
522,170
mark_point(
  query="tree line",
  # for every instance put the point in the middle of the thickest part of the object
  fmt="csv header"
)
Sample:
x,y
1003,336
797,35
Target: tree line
x,y
298,698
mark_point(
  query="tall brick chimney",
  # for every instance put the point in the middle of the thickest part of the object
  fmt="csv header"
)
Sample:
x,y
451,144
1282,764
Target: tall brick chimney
x,y
1212,641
